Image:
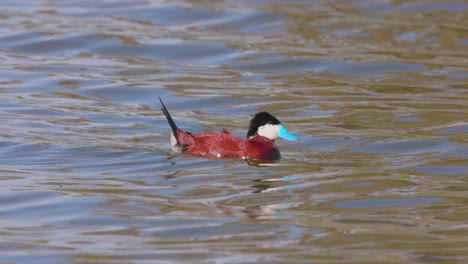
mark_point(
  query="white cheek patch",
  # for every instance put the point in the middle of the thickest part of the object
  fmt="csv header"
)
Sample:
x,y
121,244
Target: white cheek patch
x,y
269,131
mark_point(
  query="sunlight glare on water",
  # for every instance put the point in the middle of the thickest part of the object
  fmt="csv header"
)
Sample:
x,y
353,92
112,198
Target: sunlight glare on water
x,y
375,90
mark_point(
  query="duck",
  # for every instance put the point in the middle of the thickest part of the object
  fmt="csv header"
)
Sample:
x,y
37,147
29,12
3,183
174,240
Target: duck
x,y
259,143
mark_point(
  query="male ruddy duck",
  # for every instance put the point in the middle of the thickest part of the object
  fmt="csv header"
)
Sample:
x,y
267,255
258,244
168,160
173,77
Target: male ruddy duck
x,y
260,143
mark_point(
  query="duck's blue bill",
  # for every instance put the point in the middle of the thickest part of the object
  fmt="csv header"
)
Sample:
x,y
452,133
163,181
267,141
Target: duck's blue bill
x,y
283,133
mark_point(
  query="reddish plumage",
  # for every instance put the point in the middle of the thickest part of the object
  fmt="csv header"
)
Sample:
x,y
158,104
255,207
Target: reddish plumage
x,y
228,145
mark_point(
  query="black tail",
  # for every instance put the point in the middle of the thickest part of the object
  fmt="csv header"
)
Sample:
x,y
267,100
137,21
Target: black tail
x,y
169,119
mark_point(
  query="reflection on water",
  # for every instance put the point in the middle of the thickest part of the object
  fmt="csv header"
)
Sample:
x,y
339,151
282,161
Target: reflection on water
x,y
376,90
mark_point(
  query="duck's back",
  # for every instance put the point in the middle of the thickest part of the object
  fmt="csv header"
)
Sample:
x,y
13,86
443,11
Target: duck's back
x,y
229,145
216,145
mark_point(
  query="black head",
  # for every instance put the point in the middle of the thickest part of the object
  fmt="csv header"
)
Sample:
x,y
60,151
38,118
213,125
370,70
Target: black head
x,y
261,119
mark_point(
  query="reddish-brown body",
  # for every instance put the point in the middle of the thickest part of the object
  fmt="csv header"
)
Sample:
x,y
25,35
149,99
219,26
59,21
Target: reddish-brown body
x,y
227,145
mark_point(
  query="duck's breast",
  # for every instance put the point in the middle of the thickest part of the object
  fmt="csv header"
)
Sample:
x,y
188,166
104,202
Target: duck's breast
x,y
261,148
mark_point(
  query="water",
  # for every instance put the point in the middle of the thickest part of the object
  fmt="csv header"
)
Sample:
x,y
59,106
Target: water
x,y
376,90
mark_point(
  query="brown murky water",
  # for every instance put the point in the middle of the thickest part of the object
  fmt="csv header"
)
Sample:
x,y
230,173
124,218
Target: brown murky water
x,y
376,90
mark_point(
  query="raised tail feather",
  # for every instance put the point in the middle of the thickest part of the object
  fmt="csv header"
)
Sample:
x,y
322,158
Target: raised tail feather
x,y
169,120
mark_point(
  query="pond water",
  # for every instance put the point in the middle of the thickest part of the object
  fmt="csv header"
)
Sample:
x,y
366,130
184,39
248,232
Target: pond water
x,y
376,90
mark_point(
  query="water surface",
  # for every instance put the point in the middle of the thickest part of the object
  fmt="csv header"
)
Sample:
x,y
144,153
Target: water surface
x,y
376,90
